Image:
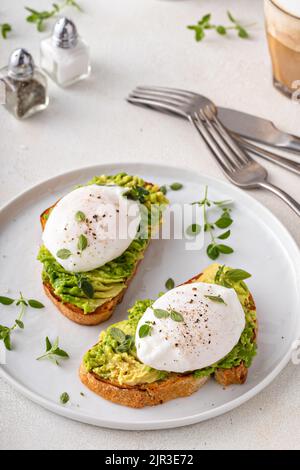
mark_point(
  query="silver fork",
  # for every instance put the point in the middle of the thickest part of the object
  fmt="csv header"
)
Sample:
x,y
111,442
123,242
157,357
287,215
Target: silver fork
x,y
236,163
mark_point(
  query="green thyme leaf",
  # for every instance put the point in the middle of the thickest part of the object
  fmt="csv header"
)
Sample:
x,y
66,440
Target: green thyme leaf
x,y
224,235
86,287
193,230
117,335
170,284
82,243
7,341
236,275
176,186
163,189
5,29
160,313
6,300
176,316
35,304
64,398
48,344
145,330
80,216
224,221
216,298
20,324
212,251
63,253
225,249
126,345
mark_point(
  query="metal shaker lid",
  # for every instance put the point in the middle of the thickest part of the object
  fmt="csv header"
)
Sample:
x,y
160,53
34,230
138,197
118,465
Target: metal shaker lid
x,y
65,34
20,65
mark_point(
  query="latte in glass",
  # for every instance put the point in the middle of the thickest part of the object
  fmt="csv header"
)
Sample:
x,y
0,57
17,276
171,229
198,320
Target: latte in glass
x,y
283,32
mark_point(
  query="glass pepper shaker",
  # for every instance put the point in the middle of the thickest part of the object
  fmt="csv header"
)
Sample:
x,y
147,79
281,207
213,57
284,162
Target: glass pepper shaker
x,y
23,86
65,57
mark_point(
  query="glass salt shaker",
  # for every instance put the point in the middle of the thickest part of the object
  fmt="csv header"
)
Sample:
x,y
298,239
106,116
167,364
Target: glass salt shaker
x,y
23,86
65,57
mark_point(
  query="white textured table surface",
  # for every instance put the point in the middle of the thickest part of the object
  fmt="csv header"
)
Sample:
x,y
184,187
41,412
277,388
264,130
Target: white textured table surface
x,y
145,42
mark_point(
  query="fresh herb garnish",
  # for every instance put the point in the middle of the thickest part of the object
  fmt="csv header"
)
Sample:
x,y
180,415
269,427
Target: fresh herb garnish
x,y
126,345
63,253
125,342
80,216
85,285
5,331
163,189
216,298
170,284
40,17
236,275
137,193
176,186
193,230
64,398
205,24
161,313
117,335
5,28
176,316
230,276
82,243
53,351
145,330
35,303
6,300
214,249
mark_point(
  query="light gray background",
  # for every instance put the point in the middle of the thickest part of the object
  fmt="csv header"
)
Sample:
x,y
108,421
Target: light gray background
x,y
145,42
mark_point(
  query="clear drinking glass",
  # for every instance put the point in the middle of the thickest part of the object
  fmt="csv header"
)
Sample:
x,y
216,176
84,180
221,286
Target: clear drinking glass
x,y
283,32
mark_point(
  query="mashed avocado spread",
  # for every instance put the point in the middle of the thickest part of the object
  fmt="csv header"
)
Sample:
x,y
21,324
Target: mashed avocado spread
x,y
110,361
108,280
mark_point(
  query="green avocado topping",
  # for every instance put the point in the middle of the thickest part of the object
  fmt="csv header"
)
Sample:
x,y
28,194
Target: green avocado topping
x,y
106,361
110,279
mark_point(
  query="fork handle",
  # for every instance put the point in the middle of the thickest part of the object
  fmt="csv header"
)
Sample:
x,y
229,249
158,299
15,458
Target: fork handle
x,y
283,195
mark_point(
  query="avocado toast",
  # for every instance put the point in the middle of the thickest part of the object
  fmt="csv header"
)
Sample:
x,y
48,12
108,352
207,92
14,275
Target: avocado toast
x,y
89,298
112,369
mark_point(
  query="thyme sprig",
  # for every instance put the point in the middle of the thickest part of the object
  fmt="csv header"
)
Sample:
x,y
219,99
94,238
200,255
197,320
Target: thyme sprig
x,y
5,331
53,352
205,24
40,17
215,248
5,28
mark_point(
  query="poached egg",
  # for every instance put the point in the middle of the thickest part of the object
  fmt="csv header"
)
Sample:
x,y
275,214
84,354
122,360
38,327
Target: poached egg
x,y
206,329
91,226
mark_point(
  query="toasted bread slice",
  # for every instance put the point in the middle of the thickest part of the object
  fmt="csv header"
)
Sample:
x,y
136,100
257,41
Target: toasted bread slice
x,y
175,386
139,396
74,313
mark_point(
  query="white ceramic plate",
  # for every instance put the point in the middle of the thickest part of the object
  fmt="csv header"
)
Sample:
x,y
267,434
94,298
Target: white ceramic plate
x,y
262,246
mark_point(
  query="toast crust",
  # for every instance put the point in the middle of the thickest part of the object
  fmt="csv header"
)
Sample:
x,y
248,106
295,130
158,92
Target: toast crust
x,y
156,393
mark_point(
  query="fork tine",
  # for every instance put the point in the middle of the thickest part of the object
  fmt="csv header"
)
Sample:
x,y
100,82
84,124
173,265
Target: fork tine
x,y
211,144
177,100
223,142
170,91
156,104
231,142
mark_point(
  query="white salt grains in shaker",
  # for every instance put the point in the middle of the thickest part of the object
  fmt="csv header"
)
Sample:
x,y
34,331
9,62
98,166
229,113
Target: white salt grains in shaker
x,y
65,57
